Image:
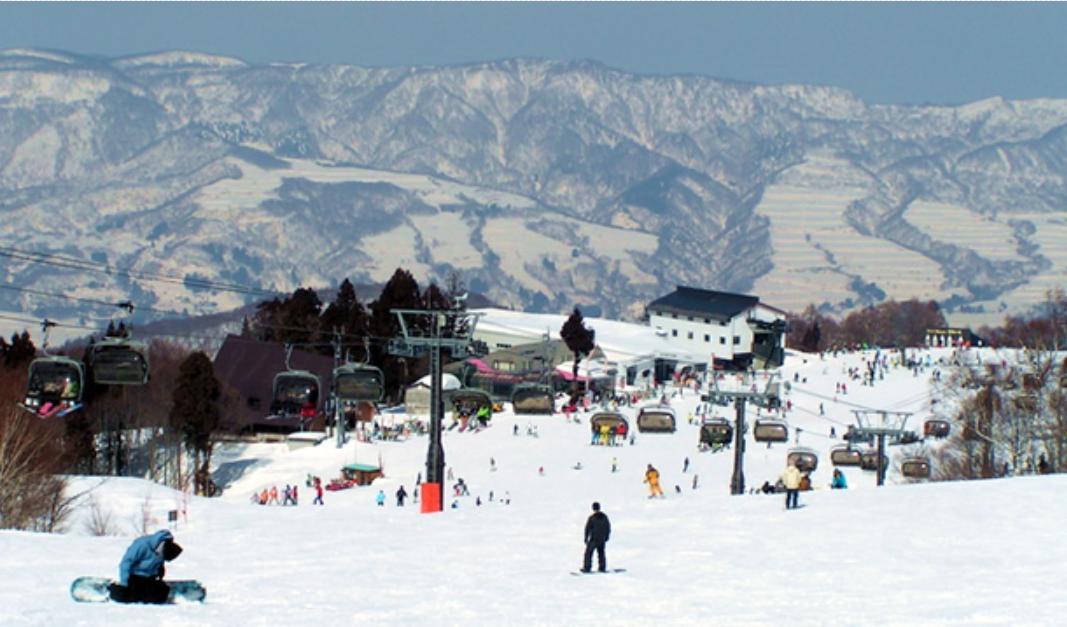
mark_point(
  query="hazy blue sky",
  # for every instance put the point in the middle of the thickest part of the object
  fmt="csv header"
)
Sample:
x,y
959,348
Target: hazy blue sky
x,y
893,52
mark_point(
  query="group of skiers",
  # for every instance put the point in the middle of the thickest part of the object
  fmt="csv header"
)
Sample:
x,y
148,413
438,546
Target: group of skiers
x,y
609,435
270,497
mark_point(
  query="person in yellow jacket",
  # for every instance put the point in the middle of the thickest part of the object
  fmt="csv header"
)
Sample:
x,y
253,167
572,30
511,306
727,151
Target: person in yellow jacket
x,y
791,478
652,479
605,430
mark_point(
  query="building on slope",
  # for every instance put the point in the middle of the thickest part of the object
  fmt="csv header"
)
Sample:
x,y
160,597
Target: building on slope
x,y
734,331
634,354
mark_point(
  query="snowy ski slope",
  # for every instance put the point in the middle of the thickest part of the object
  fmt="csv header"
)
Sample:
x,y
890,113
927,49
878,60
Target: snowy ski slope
x,y
922,554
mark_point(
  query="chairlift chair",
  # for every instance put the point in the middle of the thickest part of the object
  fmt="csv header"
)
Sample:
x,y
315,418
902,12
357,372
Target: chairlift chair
x,y
869,460
472,397
610,420
804,458
656,419
533,398
908,437
915,468
294,390
54,380
843,455
937,428
852,437
119,361
768,430
716,432
358,382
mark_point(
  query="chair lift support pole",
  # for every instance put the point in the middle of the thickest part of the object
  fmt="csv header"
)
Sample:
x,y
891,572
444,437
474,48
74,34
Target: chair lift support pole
x,y
338,415
737,481
765,397
435,454
458,343
892,424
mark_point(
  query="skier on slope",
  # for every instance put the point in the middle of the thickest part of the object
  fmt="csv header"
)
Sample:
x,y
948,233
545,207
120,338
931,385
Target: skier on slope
x,y
597,532
652,479
141,570
791,478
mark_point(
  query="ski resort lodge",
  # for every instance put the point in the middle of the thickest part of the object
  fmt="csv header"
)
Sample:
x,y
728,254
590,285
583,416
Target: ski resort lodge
x,y
627,353
731,329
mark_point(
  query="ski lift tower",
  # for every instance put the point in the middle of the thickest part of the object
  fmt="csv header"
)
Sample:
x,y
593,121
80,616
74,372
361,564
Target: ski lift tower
x,y
760,387
432,330
874,423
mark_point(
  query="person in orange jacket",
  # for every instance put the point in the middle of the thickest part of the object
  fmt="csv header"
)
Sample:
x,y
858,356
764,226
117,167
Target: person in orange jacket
x,y
652,479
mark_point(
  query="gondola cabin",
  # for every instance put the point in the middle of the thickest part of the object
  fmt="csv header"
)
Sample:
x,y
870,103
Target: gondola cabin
x,y
54,381
915,468
716,432
296,393
358,382
805,459
611,420
771,431
656,419
869,460
117,361
935,428
533,399
844,456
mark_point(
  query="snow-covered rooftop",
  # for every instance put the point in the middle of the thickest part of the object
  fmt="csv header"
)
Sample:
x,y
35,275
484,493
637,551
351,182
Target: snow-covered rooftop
x,y
621,342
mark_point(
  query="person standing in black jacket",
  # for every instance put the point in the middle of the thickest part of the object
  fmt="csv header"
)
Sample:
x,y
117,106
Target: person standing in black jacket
x,y
597,532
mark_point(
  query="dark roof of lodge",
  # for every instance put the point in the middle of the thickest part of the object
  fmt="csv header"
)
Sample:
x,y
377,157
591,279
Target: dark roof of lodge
x,y
691,300
249,365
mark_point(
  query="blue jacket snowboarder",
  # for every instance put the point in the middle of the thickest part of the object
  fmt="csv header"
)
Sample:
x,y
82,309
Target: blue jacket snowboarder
x,y
141,571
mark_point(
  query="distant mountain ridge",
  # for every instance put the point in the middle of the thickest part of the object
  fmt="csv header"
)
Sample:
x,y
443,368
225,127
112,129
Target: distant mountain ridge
x,y
543,183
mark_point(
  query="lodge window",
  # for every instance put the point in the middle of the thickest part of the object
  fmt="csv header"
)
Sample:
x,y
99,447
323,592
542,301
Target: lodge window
x,y
674,332
722,340
690,335
737,340
707,338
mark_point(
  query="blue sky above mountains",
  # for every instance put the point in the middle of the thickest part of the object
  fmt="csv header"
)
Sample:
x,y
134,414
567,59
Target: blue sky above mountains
x,y
944,53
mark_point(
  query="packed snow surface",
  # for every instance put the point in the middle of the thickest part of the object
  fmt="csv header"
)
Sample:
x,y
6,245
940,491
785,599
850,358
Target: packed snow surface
x,y
987,552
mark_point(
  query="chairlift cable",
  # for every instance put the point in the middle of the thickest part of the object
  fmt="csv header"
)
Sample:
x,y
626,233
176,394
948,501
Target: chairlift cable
x,y
71,263
92,301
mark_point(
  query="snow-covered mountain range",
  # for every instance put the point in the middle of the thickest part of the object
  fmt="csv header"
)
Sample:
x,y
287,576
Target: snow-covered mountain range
x,y
543,183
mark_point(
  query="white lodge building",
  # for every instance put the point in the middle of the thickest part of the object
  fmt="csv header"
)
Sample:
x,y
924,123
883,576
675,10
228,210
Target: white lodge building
x,y
731,329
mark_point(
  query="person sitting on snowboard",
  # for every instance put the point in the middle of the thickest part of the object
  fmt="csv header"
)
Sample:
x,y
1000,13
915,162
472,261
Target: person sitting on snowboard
x,y
141,571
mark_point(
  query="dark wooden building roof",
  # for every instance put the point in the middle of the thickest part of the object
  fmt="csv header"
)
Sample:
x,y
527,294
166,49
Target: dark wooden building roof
x,y
248,366
708,303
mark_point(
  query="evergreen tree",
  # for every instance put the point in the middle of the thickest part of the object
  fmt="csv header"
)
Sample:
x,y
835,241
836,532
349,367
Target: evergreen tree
x,y
812,337
345,312
400,292
581,341
246,328
300,317
20,351
195,412
266,319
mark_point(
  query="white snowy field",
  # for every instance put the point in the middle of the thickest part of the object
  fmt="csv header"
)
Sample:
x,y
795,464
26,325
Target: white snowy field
x,y
934,554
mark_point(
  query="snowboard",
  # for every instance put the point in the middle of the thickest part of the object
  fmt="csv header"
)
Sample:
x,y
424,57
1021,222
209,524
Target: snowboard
x,y
609,571
97,590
